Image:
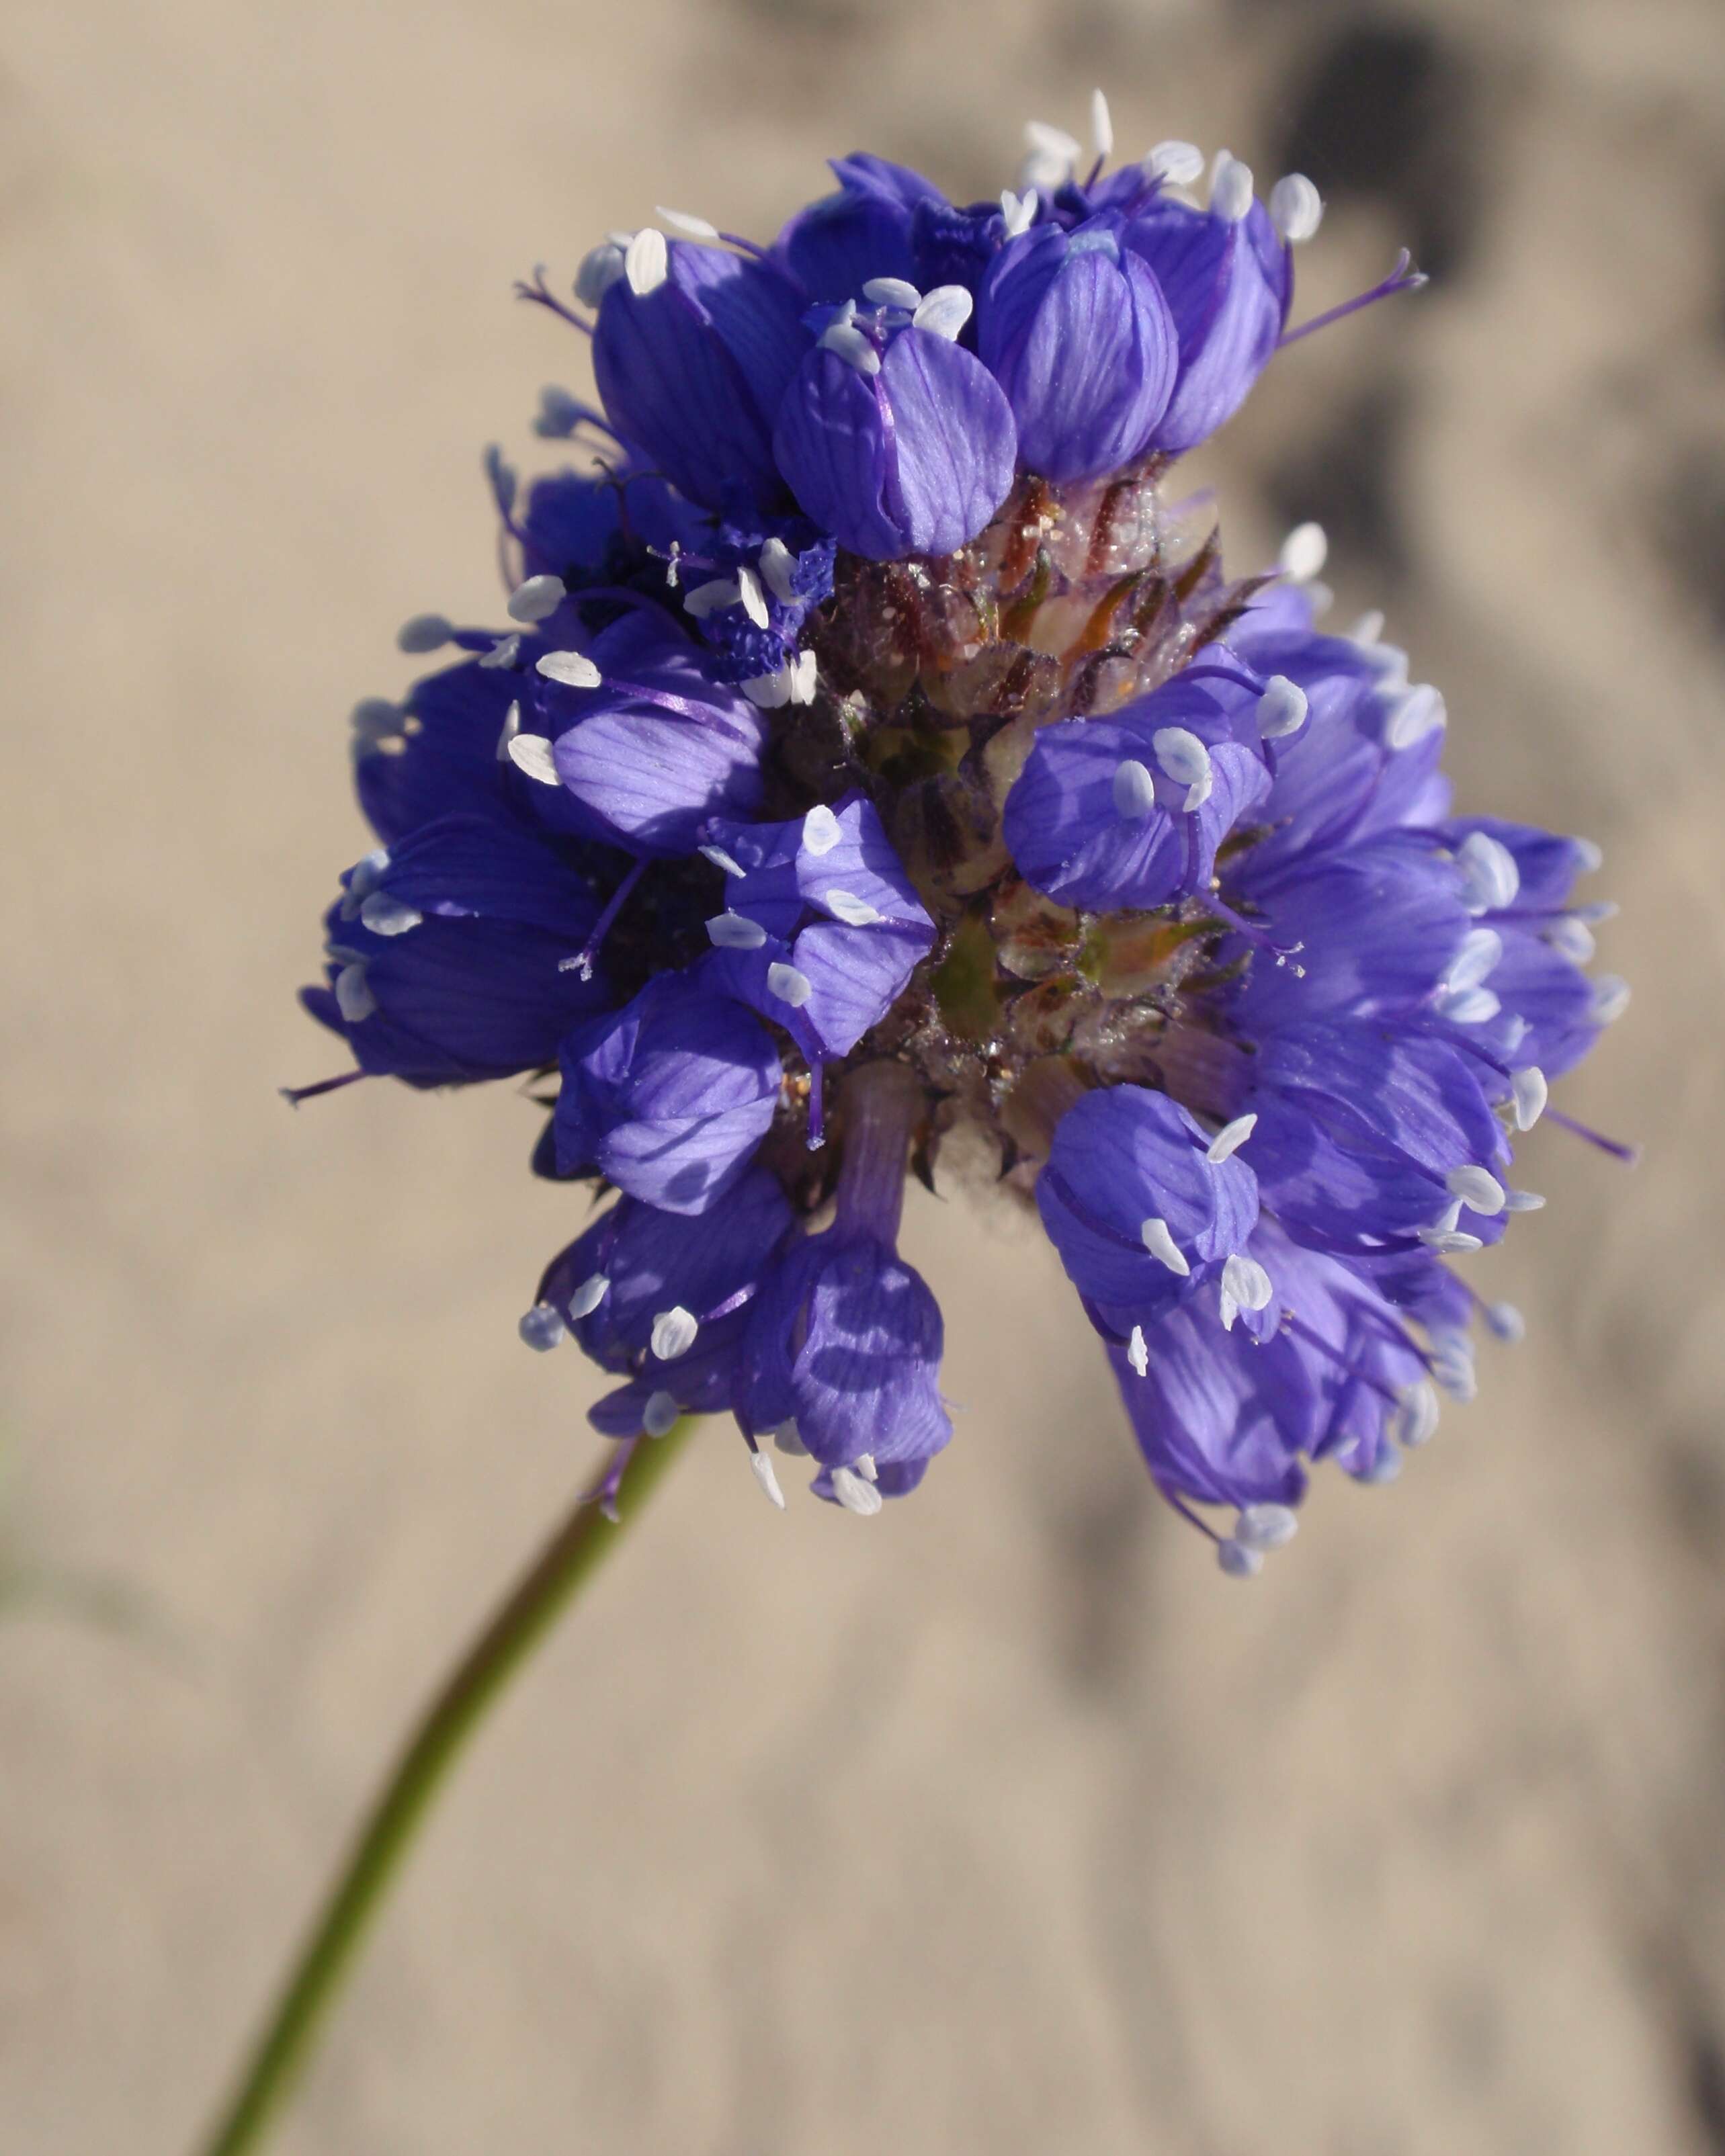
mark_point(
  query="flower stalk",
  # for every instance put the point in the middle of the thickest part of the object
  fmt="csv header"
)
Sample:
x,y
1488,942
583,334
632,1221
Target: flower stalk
x,y
559,1573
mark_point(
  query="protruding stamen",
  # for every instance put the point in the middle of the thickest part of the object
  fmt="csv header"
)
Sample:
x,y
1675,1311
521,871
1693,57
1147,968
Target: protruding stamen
x,y
1304,552
386,915
788,1439
541,1328
659,1414
1178,163
1267,1526
1238,1561
353,994
1529,1092
601,267
1467,1006
864,1465
1134,791
736,931
532,754
1489,878
1186,760
853,911
1281,708
1506,1322
674,1331
570,669
1230,1138
720,859
1138,1353
1475,958
1101,126
511,727
1018,210
762,1462
646,261
754,599
1230,187
504,652
1158,1240
1415,713
538,599
424,632
587,1297
1416,1420
1590,856
1296,208
788,985
1446,1236
1245,1285
1524,1201
944,311
893,292
851,346
778,563
709,597
1452,1364
1477,1188
697,227
856,1495
1571,938
821,831
1611,999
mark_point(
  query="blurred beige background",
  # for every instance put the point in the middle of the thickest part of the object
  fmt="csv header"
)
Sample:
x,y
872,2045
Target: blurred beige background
x,y
1001,1823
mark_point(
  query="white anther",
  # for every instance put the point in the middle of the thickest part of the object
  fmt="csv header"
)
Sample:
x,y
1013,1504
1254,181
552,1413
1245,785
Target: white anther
x,y
353,994
1452,1364
944,311
851,346
754,599
1416,1420
720,859
853,911
1475,958
1101,125
856,1495
1571,938
864,1465
1296,208
708,597
646,261
697,227
425,632
374,719
1304,552
386,915
1281,708
364,878
1158,1240
504,478
769,692
1368,629
788,1439
573,669
1446,1239
1230,1139
736,931
1245,1285
531,753
1516,1032
1230,187
788,985
1477,1188
1611,999
1523,1201
1134,790
1413,714
777,564
1267,1526
558,416
504,652
1018,210
1467,1006
1528,1091
821,831
1589,855
511,727
541,1328
659,1414
762,1462
674,1331
1386,1468
1051,142
1239,1562
1489,878
892,292
587,1297
1137,1352
600,268
1179,163
1506,1323
803,671
1186,760
538,599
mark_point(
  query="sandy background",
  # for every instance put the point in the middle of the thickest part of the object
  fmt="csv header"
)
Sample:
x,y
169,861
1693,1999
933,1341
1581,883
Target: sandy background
x,y
1002,1824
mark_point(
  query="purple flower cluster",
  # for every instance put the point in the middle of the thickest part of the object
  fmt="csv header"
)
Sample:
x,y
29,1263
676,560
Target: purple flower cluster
x,y
871,749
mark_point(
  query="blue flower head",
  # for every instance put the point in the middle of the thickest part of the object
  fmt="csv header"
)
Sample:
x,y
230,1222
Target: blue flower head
x,y
861,753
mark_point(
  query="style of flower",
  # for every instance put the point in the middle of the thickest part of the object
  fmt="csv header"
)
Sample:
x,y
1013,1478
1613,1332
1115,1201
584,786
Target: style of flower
x,y
869,750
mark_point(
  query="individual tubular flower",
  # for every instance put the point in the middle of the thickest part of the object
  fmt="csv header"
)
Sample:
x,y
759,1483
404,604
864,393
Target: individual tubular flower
x,y
1076,332
892,436
842,1355
668,1097
867,751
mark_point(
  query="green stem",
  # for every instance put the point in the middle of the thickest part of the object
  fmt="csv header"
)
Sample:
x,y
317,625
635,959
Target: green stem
x,y
559,1572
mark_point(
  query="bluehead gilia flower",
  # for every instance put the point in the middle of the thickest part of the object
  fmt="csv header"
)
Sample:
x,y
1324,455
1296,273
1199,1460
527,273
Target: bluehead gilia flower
x,y
867,749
